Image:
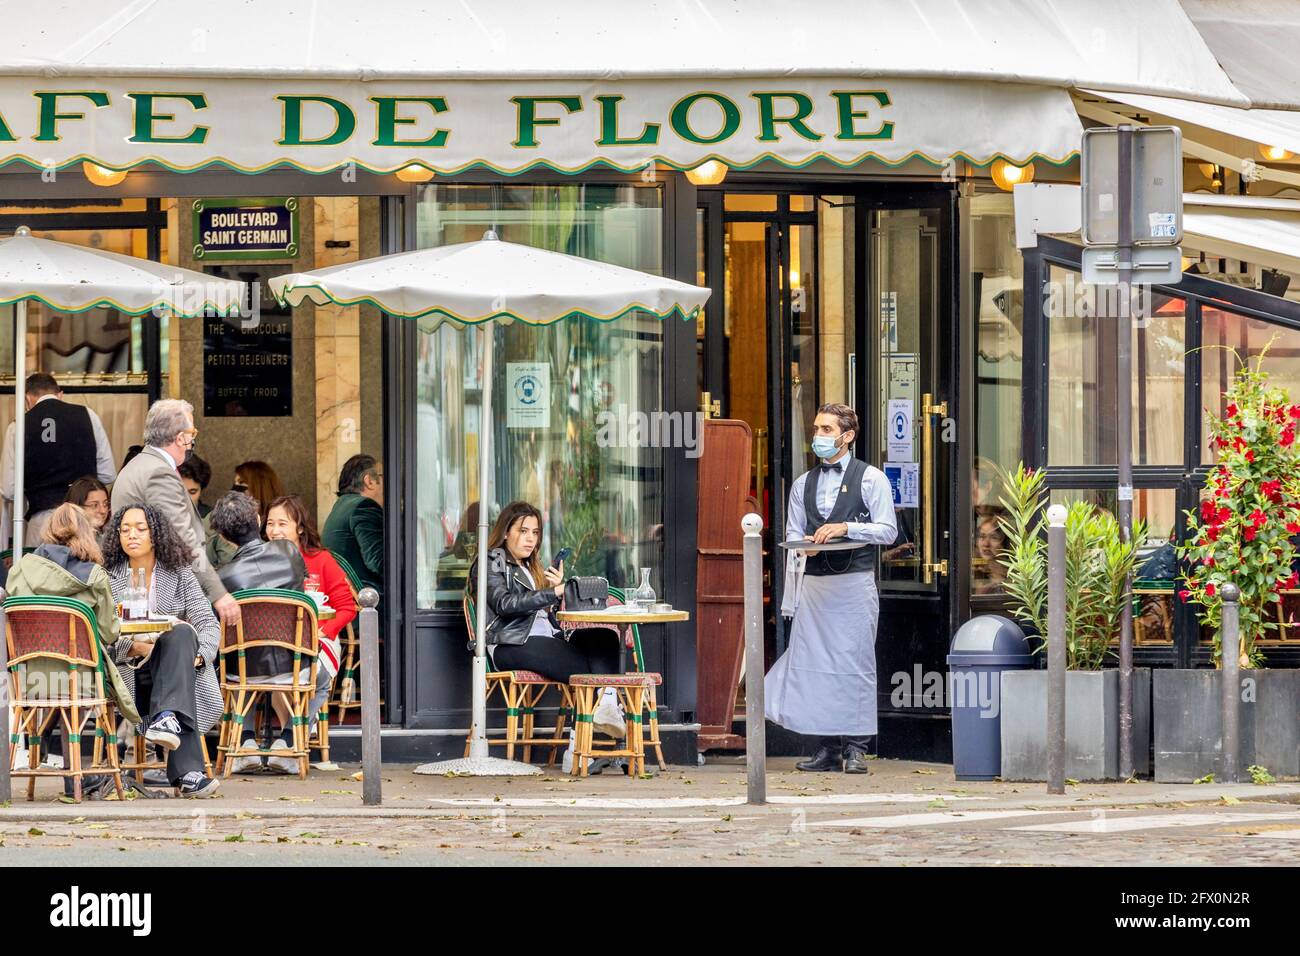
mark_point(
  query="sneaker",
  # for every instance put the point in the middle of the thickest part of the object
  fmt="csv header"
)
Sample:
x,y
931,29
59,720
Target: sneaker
x,y
249,763
597,766
196,786
165,731
156,778
566,762
608,718
281,764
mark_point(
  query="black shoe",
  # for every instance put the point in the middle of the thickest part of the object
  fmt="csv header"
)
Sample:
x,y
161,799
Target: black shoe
x,y
195,786
855,761
93,785
156,778
826,760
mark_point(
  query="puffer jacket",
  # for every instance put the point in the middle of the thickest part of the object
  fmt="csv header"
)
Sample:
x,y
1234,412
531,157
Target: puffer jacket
x,y
52,570
512,602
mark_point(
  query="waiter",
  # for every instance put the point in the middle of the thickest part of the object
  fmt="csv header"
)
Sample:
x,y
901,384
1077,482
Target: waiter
x,y
825,682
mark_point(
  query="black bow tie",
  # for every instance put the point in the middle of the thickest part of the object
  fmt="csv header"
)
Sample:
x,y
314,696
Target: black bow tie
x,y
833,466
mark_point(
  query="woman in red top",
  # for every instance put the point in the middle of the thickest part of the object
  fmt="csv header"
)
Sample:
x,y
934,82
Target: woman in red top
x,y
288,519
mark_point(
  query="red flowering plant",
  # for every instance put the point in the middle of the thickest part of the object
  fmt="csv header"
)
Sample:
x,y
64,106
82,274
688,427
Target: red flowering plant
x,y
1251,508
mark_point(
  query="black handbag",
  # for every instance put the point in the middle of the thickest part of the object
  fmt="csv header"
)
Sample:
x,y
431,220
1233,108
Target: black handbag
x,y
586,594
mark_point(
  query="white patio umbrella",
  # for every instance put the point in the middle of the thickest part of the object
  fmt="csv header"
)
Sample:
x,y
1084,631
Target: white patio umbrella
x,y
70,278
478,282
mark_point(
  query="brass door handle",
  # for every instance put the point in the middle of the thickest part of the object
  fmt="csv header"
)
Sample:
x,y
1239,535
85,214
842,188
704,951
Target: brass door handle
x,y
929,567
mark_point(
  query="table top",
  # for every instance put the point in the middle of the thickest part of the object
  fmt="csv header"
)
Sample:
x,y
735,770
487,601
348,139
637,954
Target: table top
x,y
153,626
325,614
616,616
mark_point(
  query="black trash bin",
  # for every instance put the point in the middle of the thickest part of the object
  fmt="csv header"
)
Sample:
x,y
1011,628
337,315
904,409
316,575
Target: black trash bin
x,y
982,649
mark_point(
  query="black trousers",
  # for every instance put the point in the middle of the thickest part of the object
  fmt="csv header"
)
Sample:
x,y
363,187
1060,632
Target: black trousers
x,y
171,678
863,744
589,650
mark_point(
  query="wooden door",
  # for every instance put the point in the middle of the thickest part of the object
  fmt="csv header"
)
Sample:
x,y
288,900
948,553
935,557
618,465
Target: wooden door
x,y
724,481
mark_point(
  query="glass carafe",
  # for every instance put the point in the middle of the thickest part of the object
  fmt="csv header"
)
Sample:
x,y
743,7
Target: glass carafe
x,y
644,596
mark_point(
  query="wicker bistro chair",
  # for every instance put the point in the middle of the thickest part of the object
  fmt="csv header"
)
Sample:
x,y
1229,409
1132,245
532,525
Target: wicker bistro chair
x,y
275,618
55,640
521,692
651,711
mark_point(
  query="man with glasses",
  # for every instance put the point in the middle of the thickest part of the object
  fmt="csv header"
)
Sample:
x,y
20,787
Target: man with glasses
x,y
354,529
151,478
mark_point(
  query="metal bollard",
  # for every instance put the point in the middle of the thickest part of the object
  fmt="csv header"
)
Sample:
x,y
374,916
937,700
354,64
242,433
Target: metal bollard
x,y
6,793
1230,648
1056,651
371,756
755,729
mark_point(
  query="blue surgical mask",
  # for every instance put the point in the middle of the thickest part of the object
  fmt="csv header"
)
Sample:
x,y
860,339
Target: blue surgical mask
x,y
824,447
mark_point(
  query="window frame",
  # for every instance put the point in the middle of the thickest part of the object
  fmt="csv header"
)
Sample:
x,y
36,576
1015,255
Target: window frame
x,y
1187,478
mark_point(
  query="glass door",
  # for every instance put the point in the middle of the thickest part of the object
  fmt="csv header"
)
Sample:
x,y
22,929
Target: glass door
x,y
912,334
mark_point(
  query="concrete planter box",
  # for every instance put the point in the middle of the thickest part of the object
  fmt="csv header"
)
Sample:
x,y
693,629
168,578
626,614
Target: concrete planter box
x,y
1091,724
1189,723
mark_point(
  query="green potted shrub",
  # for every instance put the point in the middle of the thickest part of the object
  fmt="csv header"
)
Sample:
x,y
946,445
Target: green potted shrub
x,y
1242,532
1098,562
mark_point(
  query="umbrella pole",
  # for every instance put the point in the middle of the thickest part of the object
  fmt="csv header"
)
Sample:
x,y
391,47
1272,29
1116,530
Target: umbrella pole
x,y
20,424
478,744
479,763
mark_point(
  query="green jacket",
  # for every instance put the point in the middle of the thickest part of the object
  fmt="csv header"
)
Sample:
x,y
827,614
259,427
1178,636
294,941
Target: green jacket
x,y
51,571
355,530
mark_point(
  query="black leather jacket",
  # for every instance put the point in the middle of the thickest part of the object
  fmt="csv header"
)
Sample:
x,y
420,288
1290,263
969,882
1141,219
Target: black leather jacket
x,y
264,564
512,602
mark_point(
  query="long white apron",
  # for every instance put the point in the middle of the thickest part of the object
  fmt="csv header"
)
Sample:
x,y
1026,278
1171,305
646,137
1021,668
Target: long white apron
x,y
825,682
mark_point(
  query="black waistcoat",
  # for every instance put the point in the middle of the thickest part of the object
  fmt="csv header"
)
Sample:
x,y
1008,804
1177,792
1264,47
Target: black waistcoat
x,y
60,448
848,506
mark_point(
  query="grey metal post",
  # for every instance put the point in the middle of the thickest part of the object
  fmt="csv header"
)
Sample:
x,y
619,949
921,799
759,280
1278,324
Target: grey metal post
x,y
6,794
1056,649
755,729
1230,648
20,427
1124,436
371,757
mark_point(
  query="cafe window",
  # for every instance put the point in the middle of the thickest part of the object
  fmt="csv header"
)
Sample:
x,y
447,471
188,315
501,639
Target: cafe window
x,y
1229,339
588,459
997,278
1082,412
104,359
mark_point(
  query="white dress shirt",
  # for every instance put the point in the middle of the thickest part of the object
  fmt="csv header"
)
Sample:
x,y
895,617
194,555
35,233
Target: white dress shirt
x,y
105,469
876,494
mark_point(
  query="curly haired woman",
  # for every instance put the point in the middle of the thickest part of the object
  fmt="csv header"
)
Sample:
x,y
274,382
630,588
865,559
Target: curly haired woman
x,y
184,700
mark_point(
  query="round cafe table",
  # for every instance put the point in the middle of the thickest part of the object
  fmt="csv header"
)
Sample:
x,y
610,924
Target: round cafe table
x,y
623,620
150,626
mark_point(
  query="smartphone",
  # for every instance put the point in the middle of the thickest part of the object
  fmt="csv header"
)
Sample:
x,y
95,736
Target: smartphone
x,y
561,556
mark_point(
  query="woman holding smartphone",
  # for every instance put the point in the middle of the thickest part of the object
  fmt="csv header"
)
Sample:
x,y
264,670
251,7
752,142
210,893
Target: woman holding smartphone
x,y
522,598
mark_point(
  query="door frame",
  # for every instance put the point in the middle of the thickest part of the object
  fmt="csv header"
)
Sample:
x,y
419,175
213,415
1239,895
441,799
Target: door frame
x,y
954,362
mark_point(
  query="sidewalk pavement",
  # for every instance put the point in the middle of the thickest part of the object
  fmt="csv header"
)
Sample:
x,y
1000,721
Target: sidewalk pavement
x,y
892,786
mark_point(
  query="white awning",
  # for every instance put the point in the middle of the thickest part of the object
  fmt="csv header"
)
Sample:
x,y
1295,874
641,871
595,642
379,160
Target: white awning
x,y
1148,47
321,84
1264,232
1255,41
1269,127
